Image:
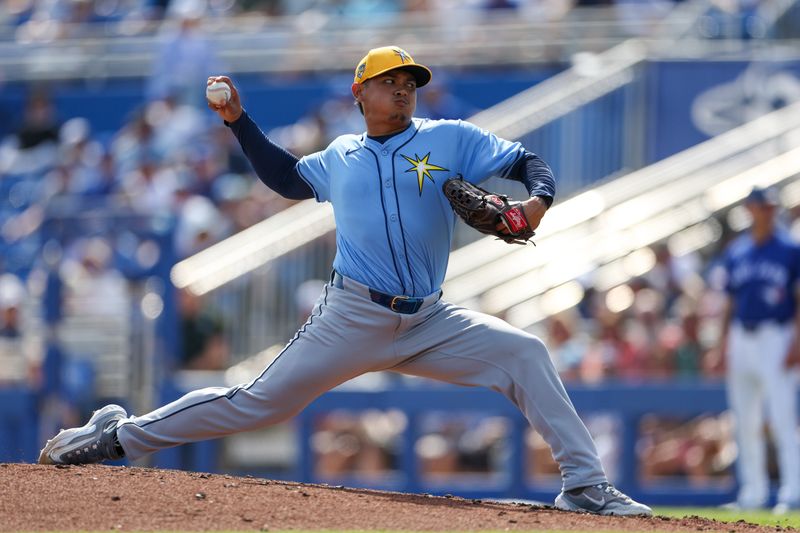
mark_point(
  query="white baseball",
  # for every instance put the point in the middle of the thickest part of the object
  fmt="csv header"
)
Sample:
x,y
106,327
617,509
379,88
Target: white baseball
x,y
218,93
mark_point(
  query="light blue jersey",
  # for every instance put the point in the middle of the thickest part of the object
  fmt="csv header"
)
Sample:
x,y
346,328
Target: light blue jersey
x,y
393,223
762,278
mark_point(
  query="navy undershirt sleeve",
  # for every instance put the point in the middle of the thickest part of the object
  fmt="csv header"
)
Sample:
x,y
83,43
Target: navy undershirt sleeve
x,y
274,166
536,175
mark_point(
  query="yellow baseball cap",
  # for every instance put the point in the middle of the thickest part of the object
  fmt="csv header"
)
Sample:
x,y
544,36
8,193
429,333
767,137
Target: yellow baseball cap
x,y
380,60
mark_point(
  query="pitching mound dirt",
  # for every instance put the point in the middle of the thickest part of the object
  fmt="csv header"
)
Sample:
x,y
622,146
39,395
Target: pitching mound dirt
x,y
98,498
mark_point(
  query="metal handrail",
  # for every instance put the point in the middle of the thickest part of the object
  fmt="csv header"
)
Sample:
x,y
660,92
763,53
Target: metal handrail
x,y
252,248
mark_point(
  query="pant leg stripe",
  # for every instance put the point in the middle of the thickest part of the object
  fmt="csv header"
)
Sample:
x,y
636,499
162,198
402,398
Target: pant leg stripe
x,y
296,336
237,389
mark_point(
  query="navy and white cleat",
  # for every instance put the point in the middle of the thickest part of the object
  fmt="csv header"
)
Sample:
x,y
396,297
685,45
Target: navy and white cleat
x,y
93,443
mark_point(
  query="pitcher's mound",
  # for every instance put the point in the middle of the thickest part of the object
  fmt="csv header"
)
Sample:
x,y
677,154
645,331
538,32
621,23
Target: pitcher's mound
x,y
102,498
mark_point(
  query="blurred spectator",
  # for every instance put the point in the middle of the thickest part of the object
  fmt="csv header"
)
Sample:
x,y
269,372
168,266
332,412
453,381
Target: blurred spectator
x,y
489,5
363,443
334,117
83,156
267,7
373,12
699,449
567,343
33,147
231,194
663,277
438,102
461,443
39,123
308,135
200,224
150,188
103,183
225,148
93,285
642,333
734,19
482,446
608,350
203,345
177,126
134,142
689,349
640,17
20,352
185,58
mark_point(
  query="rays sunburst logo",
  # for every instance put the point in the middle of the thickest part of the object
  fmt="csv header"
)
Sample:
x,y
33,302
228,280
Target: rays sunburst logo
x,y
421,167
403,55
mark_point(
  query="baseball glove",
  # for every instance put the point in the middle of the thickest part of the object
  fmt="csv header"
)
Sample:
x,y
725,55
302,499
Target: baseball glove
x,y
484,210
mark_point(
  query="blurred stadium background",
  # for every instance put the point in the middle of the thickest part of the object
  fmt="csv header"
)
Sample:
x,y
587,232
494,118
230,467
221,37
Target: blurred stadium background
x,y
141,258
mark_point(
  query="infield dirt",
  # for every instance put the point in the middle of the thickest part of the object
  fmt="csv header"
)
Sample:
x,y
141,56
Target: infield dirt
x,y
103,498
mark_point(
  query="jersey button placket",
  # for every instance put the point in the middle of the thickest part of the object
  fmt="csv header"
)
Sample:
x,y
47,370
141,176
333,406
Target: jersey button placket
x,y
394,218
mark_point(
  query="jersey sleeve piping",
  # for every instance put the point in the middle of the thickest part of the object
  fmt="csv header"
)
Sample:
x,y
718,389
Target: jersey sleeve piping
x,y
307,182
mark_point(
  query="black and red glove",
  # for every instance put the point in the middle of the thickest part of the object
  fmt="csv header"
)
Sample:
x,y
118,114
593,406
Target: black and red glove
x,y
485,211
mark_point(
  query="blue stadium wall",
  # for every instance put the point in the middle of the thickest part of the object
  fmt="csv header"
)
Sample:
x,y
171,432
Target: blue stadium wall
x,y
690,101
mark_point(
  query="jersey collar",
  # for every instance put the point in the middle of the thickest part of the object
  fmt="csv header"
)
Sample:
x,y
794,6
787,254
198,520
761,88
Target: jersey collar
x,y
394,141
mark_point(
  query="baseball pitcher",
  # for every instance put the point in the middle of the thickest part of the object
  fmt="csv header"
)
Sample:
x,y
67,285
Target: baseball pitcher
x,y
394,189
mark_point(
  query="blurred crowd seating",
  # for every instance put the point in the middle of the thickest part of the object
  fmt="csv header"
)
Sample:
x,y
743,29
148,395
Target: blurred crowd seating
x,y
28,14
48,20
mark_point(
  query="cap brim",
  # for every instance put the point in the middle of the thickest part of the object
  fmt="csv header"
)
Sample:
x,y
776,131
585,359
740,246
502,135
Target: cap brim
x,y
420,72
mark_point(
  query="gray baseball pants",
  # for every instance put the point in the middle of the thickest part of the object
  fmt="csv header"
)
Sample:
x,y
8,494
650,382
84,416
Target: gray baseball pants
x,y
348,335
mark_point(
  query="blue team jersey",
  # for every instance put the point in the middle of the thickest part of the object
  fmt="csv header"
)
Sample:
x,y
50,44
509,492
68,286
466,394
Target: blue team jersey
x,y
762,279
393,222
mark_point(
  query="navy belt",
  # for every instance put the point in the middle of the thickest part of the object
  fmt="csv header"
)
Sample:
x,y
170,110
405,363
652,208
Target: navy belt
x,y
405,305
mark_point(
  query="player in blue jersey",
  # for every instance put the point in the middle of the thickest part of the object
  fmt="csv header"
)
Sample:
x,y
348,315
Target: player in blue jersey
x,y
759,342
383,308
